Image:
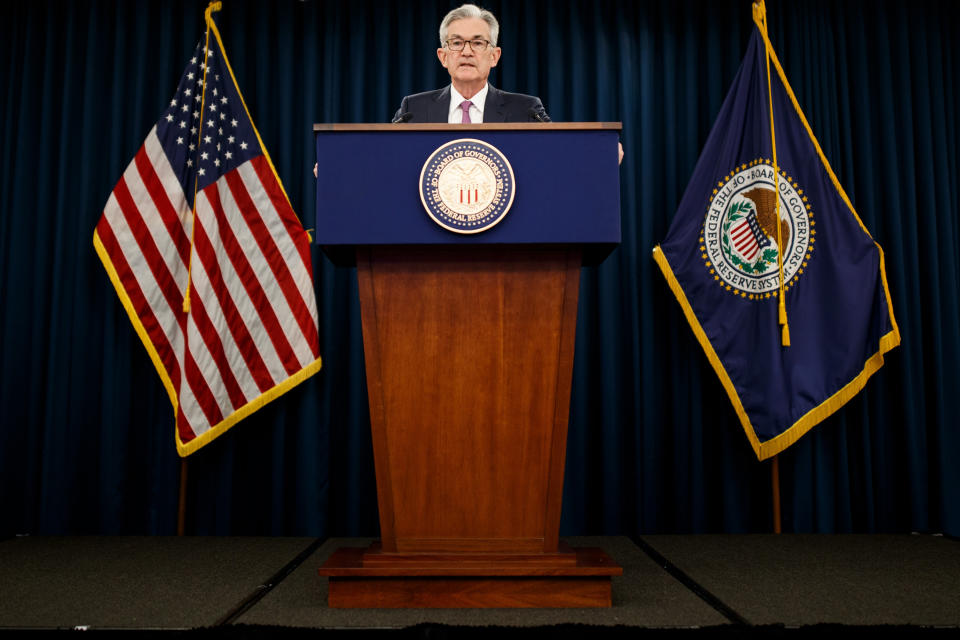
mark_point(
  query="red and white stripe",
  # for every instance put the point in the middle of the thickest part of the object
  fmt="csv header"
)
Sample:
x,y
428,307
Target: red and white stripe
x,y
744,241
252,322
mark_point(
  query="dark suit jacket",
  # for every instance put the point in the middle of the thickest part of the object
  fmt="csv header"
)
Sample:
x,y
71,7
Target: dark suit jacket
x,y
500,106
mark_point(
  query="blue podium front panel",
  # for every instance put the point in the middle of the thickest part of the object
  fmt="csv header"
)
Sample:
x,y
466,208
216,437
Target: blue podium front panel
x,y
567,188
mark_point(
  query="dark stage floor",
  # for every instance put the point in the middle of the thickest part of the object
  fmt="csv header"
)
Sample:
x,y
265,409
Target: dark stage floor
x,y
709,583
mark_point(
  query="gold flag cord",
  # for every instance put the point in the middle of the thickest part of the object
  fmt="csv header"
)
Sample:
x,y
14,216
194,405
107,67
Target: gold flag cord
x,y
760,17
213,6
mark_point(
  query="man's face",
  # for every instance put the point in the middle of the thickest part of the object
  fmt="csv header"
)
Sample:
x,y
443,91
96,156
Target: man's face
x,y
469,66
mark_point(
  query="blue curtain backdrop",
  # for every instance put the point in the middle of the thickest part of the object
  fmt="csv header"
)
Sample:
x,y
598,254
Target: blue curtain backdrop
x,y
86,440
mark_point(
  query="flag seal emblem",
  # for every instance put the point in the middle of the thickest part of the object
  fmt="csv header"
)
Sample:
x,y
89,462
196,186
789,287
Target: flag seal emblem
x,y
467,186
739,243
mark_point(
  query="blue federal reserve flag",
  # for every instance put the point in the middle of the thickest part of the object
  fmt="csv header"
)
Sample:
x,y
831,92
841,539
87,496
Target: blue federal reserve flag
x,y
785,366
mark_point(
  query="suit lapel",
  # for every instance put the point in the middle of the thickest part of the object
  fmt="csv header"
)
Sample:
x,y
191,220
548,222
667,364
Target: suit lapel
x,y
493,107
440,106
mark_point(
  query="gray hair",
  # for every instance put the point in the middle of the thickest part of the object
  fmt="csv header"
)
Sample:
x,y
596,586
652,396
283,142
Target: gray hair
x,y
470,11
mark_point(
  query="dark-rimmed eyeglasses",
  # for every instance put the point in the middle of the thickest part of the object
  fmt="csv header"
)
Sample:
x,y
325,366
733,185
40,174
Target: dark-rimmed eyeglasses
x,y
476,45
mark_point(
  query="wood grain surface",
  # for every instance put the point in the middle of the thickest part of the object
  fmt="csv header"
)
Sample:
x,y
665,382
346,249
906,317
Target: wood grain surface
x,y
469,355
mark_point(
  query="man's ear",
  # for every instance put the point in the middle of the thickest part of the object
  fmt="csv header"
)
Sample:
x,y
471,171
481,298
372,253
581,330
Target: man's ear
x,y
442,56
496,56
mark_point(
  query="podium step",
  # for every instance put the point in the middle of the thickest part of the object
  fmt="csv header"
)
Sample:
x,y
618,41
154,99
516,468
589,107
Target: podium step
x,y
367,578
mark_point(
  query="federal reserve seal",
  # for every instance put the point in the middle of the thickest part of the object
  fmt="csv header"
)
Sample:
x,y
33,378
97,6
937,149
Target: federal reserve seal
x,y
740,243
467,186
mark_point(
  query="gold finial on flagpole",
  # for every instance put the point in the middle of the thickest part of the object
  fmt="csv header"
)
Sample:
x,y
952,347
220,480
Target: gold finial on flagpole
x,y
213,6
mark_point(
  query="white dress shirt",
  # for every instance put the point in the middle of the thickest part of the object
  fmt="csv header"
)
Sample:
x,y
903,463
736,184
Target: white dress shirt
x,y
476,109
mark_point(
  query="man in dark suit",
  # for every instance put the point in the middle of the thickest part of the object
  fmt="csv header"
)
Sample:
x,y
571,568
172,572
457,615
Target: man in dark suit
x,y
468,50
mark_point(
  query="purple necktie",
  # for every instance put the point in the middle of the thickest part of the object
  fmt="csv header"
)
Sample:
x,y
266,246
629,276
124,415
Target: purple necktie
x,y
465,105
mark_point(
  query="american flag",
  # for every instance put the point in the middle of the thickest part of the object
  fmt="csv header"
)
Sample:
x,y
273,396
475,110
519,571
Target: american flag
x,y
248,331
747,237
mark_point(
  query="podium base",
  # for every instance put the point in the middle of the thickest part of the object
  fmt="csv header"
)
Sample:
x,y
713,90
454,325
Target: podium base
x,y
369,578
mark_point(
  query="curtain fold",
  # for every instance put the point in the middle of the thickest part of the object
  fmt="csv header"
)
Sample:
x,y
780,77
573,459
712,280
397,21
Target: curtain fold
x,y
86,429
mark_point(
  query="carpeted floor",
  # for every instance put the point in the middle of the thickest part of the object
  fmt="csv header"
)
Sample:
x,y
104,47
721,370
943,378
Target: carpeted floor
x,y
672,586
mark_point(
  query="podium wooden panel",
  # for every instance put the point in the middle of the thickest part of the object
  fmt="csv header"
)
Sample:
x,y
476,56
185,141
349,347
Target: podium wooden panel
x,y
469,353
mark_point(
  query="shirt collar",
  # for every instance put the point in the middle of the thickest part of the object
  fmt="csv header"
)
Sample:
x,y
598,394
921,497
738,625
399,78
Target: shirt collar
x,y
478,100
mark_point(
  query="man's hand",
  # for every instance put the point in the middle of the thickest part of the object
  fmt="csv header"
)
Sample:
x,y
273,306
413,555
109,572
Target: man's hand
x,y
315,164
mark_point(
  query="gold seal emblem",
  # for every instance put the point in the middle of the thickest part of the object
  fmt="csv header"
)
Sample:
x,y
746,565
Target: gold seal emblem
x,y
467,186
740,242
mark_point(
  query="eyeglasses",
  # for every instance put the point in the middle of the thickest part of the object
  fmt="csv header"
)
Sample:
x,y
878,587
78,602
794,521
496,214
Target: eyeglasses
x,y
477,45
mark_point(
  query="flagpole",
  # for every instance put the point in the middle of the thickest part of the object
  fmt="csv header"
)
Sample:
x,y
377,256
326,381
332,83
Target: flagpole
x,y
182,502
213,6
775,489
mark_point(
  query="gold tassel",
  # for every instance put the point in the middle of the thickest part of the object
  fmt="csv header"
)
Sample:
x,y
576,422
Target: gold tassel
x,y
760,17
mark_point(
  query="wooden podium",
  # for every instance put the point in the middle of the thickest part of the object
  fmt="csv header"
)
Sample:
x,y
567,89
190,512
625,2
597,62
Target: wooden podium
x,y
469,346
